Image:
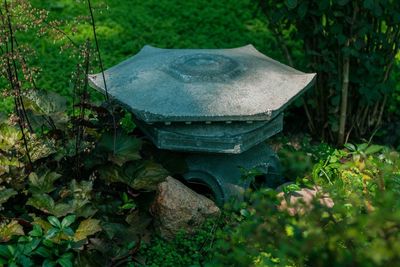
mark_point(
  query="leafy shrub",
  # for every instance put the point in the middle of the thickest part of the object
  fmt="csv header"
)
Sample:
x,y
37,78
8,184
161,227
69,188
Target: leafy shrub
x,y
362,229
352,46
48,244
183,250
299,154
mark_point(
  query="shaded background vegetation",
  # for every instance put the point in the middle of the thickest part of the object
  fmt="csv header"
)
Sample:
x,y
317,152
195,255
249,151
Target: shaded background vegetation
x,y
118,178
124,27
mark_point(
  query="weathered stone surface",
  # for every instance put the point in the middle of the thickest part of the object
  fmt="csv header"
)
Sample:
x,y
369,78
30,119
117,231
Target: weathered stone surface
x,y
186,85
223,173
218,137
298,202
177,208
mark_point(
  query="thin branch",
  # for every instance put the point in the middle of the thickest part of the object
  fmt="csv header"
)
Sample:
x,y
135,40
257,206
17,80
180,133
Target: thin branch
x,y
97,48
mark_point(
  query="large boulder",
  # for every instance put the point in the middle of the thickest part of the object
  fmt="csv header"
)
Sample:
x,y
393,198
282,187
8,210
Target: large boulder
x,y
177,207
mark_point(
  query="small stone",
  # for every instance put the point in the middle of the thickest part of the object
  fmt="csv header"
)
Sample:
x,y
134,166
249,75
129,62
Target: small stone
x,y
298,202
177,207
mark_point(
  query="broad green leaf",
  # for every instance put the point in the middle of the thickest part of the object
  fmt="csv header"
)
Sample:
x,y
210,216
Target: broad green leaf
x,y
302,10
45,102
39,148
49,263
144,175
128,206
51,233
138,221
62,209
42,183
342,2
120,149
373,149
36,231
148,175
54,221
86,228
68,231
291,4
6,193
11,229
4,252
362,147
46,204
68,220
26,261
9,137
66,260
42,202
350,147
45,225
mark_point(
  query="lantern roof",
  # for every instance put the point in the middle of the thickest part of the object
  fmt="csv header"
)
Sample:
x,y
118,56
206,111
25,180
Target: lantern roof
x,y
195,85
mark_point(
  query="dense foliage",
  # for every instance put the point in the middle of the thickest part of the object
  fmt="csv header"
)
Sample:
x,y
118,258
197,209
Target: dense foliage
x,y
77,178
362,229
352,46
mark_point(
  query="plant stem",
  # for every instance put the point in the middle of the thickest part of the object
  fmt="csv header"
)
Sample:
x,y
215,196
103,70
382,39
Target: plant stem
x,y
97,47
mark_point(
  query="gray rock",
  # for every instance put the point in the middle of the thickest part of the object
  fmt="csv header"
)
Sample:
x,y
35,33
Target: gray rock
x,y
177,207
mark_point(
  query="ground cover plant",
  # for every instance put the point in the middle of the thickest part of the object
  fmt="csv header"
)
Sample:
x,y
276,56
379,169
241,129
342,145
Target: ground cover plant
x,y
77,178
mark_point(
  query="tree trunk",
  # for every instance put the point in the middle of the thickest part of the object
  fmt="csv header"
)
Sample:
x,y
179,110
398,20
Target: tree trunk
x,y
344,99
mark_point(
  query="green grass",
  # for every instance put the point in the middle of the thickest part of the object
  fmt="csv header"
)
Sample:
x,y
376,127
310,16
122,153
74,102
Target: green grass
x,y
124,27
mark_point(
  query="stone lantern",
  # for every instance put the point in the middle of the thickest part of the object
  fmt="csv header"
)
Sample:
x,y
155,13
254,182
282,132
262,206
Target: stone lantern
x,y
218,106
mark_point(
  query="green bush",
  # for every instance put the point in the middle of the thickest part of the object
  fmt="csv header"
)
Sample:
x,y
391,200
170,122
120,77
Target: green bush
x,y
183,250
352,46
362,229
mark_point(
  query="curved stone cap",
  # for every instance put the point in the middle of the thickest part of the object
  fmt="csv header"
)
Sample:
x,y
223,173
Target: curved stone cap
x,y
167,85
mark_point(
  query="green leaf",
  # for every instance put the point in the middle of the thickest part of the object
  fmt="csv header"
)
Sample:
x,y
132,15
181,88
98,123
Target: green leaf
x,y
9,137
125,197
68,220
42,202
373,149
25,261
36,231
42,183
9,230
302,10
54,221
45,102
121,149
350,147
4,252
362,147
291,4
128,206
86,228
145,175
148,175
52,233
66,260
6,193
62,209
41,148
342,2
46,204
68,231
42,103
49,263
